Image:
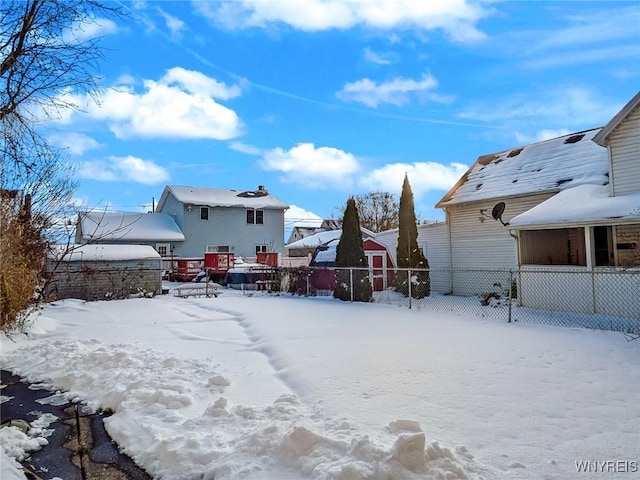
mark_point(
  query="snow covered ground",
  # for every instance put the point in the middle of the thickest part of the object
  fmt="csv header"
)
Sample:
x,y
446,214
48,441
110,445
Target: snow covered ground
x,y
268,387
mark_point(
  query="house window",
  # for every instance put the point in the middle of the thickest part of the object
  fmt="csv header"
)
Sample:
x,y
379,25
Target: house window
x,y
204,213
255,217
603,246
628,245
261,249
163,249
217,248
562,246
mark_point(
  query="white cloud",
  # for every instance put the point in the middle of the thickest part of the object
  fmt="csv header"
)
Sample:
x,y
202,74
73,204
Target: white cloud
x,y
456,17
612,25
396,92
298,216
378,58
90,29
75,143
181,104
174,24
198,84
312,167
577,36
423,176
564,105
540,136
245,148
127,168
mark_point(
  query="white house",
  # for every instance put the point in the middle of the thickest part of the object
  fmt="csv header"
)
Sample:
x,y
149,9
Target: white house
x,y
567,206
590,227
521,178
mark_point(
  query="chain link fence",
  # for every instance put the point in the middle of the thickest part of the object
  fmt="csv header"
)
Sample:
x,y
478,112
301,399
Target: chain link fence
x,y
605,299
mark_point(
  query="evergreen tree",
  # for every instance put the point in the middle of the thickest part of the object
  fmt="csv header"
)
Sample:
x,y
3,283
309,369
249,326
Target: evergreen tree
x,y
350,253
407,252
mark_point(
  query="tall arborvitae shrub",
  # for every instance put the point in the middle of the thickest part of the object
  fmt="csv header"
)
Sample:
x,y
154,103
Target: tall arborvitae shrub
x,y
350,253
407,253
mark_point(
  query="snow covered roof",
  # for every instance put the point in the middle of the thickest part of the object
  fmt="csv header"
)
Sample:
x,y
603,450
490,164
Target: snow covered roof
x,y
547,166
102,252
315,240
606,131
218,197
581,204
322,238
327,254
129,226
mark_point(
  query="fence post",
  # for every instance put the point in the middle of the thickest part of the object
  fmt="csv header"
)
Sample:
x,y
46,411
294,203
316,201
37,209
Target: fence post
x,y
409,284
593,292
510,292
351,282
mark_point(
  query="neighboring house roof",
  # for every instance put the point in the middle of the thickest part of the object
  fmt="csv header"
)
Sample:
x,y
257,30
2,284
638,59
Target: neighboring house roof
x,y
326,254
603,135
129,226
312,241
102,252
582,204
547,166
322,238
331,224
218,197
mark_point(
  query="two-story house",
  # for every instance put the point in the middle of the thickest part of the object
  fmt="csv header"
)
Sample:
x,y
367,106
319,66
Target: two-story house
x,y
217,220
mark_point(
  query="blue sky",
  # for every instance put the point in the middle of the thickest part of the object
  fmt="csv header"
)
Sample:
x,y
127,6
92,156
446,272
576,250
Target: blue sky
x,y
318,100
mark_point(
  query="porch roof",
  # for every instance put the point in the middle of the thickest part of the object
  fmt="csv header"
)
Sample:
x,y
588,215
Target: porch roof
x,y
584,204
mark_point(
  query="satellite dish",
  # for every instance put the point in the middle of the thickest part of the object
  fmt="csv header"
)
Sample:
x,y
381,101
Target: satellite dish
x,y
497,212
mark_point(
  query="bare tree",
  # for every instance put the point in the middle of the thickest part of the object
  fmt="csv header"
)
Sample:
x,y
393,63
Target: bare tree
x,y
43,60
378,211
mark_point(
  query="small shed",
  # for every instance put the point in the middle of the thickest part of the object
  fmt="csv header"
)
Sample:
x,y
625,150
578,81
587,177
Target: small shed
x,y
380,265
101,272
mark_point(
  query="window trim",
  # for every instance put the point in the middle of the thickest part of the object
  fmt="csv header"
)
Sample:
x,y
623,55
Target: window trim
x,y
165,246
261,249
202,210
255,216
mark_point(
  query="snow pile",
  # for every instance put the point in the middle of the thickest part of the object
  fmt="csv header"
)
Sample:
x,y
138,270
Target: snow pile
x,y
172,417
18,444
285,388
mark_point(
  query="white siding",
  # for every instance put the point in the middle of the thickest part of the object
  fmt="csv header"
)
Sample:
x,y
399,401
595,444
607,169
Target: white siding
x,y
624,145
436,238
433,236
479,241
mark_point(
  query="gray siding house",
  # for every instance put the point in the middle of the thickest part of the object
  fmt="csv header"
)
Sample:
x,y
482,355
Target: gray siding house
x,y
218,220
